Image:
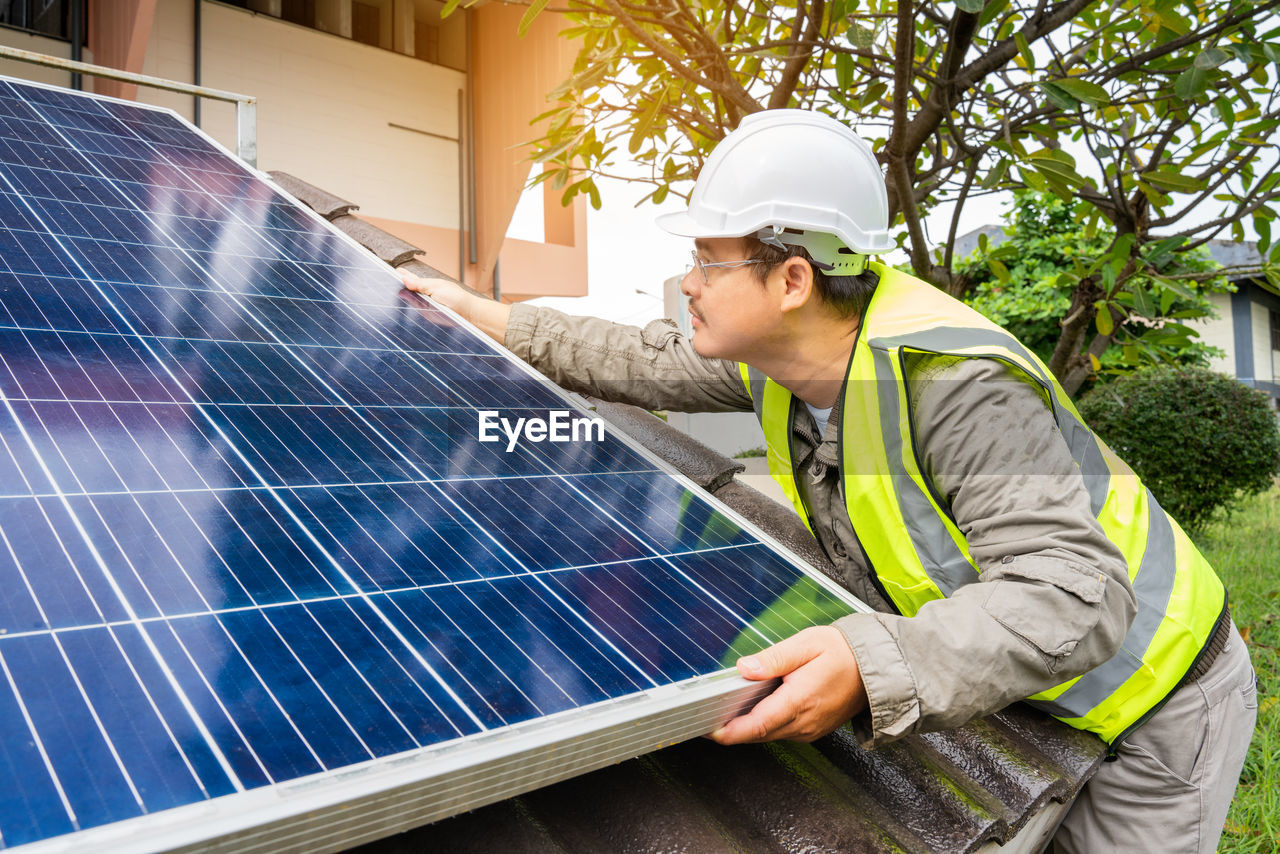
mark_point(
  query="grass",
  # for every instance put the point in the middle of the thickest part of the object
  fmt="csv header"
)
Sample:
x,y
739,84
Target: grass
x,y
1245,549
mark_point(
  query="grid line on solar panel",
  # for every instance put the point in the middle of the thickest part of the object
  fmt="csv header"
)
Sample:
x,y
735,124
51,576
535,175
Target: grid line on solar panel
x,y
381,395
573,611
277,280
107,571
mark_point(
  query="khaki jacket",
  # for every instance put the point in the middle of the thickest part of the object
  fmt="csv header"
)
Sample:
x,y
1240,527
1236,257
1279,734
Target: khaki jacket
x,y
1053,599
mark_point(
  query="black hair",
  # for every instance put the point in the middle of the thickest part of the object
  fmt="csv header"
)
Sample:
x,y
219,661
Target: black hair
x,y
848,295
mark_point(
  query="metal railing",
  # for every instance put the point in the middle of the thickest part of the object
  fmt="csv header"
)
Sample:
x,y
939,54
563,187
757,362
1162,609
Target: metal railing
x,y
246,105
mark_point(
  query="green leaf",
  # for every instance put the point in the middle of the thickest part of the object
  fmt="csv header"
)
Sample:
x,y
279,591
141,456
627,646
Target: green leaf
x,y
1191,84
863,36
1103,320
844,71
532,12
1175,287
1057,166
1167,179
1084,90
1059,97
973,7
1142,301
660,194
1211,58
990,11
450,7
996,175
1225,110
1160,251
1028,58
1000,271
645,123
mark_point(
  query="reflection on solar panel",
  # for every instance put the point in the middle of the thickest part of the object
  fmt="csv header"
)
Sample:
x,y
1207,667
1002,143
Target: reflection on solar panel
x,y
259,581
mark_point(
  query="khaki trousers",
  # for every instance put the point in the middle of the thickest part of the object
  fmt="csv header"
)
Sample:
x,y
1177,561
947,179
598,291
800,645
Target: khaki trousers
x,y
1170,788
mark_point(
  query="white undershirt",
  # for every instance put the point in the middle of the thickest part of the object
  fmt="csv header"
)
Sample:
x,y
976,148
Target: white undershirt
x,y
821,416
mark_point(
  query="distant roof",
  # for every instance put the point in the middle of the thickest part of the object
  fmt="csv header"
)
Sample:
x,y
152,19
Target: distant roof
x,y
955,791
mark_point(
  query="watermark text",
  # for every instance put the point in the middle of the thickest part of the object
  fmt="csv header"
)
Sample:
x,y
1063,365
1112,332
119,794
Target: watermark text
x,y
560,425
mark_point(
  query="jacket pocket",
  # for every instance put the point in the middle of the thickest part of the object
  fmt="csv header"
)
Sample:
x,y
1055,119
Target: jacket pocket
x,y
1051,604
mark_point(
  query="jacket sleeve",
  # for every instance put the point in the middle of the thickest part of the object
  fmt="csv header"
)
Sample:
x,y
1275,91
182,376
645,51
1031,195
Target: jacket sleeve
x,y
655,367
1053,598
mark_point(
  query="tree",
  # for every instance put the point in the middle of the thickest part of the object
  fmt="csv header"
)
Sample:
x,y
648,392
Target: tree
x,y
1144,110
1023,281
1199,440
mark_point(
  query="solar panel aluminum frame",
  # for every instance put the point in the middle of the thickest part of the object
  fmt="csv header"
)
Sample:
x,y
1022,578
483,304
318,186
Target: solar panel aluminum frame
x,y
358,803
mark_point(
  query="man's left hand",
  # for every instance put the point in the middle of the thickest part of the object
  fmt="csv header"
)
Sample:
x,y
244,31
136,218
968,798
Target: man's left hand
x,y
821,689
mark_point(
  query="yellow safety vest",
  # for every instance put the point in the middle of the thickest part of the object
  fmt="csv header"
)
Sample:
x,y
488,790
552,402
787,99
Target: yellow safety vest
x,y
913,545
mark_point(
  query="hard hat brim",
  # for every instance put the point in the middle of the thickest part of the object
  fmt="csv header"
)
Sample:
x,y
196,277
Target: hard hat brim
x,y
682,225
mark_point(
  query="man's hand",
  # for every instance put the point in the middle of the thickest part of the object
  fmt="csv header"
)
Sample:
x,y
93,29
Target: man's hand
x,y
489,316
444,291
821,689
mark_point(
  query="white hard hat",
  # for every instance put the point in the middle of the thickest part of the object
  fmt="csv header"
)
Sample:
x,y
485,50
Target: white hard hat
x,y
795,170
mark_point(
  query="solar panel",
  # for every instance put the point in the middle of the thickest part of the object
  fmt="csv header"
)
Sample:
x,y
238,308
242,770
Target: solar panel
x,y
261,583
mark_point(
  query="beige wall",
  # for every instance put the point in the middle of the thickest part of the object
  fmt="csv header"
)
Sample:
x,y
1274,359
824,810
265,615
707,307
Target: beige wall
x,y
1218,332
325,105
1263,360
39,44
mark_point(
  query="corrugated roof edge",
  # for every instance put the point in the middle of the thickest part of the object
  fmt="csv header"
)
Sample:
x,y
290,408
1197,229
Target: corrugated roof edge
x,y
967,789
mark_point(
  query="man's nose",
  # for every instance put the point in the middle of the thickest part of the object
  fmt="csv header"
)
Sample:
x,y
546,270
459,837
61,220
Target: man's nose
x,y
689,283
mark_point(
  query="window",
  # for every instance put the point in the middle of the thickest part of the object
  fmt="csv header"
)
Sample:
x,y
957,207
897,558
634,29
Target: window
x,y
46,17
1275,330
411,27
299,12
366,23
426,41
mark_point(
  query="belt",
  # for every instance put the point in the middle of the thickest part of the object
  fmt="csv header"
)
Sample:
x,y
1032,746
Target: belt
x,y
1217,642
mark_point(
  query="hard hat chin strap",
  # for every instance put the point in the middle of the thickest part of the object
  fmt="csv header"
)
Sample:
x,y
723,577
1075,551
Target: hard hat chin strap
x,y
829,254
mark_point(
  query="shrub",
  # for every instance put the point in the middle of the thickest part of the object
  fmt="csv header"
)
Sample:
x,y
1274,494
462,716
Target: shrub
x,y
1199,440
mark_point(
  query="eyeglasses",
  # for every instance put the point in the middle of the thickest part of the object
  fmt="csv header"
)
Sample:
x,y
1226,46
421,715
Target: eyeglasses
x,y
703,265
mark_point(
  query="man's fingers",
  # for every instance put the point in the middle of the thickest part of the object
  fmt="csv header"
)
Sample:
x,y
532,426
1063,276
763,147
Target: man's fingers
x,y
415,283
781,658
766,722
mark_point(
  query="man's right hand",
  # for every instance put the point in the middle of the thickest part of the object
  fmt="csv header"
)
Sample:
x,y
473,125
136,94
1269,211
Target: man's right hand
x,y
489,316
446,292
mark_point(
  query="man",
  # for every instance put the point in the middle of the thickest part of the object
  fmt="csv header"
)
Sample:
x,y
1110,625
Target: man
x,y
1010,554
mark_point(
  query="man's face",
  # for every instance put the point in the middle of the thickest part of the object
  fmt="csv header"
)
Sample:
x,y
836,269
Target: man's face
x,y
731,310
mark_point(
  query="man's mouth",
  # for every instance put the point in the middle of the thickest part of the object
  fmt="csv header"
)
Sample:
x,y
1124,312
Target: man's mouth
x,y
697,318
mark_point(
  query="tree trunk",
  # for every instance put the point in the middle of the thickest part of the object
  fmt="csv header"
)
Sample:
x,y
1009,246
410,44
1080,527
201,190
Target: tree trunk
x,y
1068,364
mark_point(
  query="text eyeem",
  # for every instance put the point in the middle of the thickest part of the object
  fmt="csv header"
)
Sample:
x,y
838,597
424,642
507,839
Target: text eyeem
x,y
560,425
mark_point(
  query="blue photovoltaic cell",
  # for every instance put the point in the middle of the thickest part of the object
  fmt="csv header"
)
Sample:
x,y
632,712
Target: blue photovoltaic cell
x,y
248,531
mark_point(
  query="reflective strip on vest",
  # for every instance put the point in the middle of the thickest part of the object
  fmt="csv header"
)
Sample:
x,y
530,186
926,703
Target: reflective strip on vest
x,y
772,404
916,550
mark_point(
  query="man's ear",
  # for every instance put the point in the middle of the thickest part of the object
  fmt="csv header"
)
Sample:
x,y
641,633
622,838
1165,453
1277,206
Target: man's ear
x,y
796,282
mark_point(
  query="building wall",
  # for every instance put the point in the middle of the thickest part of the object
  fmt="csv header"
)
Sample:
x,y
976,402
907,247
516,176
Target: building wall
x,y
38,44
1262,359
1218,332
326,106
